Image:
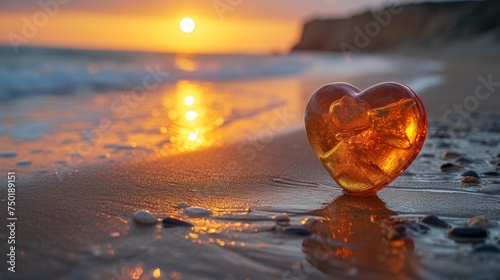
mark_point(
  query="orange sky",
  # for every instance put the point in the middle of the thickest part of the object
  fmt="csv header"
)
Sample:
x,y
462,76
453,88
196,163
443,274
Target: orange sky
x,y
244,26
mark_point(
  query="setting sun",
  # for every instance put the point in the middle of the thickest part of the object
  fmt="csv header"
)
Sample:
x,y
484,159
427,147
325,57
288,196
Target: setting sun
x,y
187,25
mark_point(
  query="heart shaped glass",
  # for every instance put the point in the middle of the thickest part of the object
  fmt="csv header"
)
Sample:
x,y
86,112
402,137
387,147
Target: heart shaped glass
x,y
365,139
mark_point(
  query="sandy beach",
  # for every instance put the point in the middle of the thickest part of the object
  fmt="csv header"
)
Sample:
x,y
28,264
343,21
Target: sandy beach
x,y
79,225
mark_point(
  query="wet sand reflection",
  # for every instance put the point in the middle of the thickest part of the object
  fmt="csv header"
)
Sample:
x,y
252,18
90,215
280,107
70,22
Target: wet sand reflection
x,y
352,239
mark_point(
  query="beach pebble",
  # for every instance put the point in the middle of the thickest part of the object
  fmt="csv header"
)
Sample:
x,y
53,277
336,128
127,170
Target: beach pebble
x,y
463,160
8,154
490,189
470,180
172,222
468,234
470,173
427,155
440,134
479,221
450,154
486,248
448,166
491,173
182,206
23,162
144,217
197,211
433,220
114,234
298,231
282,220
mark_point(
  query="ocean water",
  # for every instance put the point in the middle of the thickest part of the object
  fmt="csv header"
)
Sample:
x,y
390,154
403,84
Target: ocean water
x,y
36,71
53,102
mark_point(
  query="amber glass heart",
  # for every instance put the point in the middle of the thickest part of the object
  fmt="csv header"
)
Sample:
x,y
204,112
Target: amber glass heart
x,y
365,139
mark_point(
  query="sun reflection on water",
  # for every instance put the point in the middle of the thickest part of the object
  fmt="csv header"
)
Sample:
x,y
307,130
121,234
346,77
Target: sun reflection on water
x,y
194,113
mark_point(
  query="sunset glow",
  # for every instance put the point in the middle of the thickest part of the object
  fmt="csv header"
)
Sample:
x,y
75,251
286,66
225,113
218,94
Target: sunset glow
x,y
162,25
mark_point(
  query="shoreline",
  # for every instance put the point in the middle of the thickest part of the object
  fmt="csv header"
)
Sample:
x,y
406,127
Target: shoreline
x,y
102,202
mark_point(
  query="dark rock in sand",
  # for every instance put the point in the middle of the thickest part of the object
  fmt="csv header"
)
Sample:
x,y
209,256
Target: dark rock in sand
x,y
450,154
486,248
172,222
470,180
491,173
298,231
468,234
470,173
448,166
433,220
440,135
463,160
427,155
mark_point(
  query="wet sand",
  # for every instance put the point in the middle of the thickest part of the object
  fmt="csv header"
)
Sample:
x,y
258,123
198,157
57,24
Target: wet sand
x,y
82,228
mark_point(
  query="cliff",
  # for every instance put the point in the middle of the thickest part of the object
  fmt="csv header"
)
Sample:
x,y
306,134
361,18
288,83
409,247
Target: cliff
x,y
419,25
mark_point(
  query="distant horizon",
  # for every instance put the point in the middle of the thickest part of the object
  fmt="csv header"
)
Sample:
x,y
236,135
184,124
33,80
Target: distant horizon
x,y
244,28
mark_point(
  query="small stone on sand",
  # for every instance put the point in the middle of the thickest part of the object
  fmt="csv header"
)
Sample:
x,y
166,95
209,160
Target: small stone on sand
x,y
470,173
282,220
182,206
491,173
298,231
448,166
470,180
463,160
479,221
450,154
23,162
8,154
197,211
468,234
172,222
433,220
145,217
